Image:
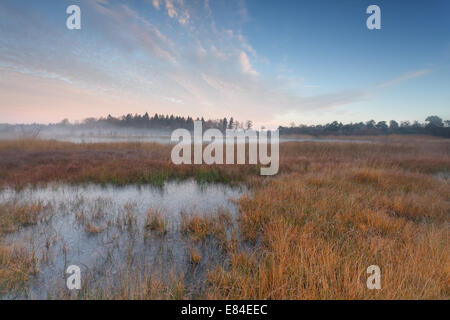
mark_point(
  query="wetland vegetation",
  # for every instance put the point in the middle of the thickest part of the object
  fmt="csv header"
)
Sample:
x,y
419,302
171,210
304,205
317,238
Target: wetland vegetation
x,y
143,228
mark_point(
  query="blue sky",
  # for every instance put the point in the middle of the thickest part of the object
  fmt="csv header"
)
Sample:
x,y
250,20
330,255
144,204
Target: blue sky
x,y
274,62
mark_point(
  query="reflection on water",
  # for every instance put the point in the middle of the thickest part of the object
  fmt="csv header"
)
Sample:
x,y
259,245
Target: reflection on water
x,y
171,199
61,237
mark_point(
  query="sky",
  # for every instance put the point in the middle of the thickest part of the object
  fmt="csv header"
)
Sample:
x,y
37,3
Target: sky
x,y
273,62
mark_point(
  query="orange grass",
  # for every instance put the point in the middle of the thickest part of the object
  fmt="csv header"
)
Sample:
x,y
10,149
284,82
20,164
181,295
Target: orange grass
x,y
16,266
156,222
34,161
308,233
13,216
318,232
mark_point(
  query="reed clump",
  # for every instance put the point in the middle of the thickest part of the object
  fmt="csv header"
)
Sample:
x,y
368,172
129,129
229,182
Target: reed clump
x,y
17,264
14,215
156,222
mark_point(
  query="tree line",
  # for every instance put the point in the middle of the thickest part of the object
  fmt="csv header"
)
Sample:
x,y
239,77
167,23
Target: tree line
x,y
160,122
433,125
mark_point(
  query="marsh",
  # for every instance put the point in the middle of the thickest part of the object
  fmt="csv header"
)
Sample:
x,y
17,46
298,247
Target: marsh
x,y
140,227
106,229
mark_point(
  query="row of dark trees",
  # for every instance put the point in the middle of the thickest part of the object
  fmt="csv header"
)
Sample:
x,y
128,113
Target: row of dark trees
x,y
433,125
160,122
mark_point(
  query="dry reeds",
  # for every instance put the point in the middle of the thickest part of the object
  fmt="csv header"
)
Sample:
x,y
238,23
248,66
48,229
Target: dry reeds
x,y
308,233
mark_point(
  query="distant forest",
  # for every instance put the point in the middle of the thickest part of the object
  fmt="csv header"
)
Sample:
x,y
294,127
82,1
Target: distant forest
x,y
160,122
433,125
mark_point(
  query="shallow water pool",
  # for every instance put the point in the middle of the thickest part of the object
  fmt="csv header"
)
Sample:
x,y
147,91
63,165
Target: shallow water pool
x,y
103,231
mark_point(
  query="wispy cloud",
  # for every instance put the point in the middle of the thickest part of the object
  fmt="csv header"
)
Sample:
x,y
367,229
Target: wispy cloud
x,y
246,65
403,77
156,4
171,9
142,64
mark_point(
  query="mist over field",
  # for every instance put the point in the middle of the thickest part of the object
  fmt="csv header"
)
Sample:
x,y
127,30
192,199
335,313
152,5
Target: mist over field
x,y
79,134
